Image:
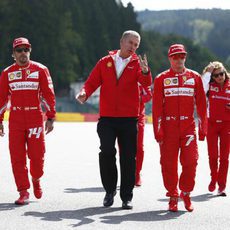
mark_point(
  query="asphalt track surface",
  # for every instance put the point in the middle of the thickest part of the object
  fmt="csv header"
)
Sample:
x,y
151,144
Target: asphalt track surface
x,y
73,192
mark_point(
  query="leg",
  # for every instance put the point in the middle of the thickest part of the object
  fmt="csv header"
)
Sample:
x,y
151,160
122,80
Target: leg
x,y
36,151
17,146
212,142
107,159
169,159
127,137
140,151
224,155
188,159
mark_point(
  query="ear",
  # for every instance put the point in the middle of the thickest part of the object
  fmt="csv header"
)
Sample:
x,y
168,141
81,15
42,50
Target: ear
x,y
13,56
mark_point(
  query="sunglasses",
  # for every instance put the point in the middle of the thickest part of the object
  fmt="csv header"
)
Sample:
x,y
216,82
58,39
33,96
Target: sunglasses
x,y
218,74
20,50
178,56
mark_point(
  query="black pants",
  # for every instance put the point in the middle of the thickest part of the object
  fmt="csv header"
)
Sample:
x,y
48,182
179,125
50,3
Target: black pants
x,y
125,131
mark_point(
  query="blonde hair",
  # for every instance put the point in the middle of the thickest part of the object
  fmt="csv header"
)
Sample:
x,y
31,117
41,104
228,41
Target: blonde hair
x,y
217,65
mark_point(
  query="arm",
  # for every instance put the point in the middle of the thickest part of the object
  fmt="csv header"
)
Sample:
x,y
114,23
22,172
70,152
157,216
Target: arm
x,y
201,109
206,77
157,109
205,80
91,84
147,94
144,73
48,98
4,93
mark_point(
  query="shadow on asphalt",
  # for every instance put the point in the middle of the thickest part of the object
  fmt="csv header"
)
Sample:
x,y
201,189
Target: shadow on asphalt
x,y
78,190
199,198
161,215
8,206
85,216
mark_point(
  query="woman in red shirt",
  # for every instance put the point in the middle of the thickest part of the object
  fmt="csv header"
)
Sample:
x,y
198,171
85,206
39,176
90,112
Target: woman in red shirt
x,y
216,81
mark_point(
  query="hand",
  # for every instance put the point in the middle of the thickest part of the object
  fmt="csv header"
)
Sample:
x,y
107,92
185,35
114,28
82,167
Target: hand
x,y
49,126
2,130
210,67
201,137
144,63
228,106
81,97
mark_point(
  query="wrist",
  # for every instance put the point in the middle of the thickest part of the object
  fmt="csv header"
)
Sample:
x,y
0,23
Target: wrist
x,y
145,72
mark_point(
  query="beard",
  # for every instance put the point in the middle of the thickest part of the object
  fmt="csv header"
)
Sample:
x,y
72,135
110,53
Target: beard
x,y
23,59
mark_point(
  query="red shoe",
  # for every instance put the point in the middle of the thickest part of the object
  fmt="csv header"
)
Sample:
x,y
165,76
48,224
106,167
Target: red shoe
x,y
23,199
187,201
212,186
173,201
138,181
37,188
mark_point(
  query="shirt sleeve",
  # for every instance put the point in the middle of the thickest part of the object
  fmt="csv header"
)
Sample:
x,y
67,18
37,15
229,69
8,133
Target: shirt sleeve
x,y
47,93
94,80
146,96
201,109
4,94
205,80
157,108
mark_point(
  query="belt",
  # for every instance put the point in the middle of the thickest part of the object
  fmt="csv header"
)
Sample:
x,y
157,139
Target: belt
x,y
14,108
175,118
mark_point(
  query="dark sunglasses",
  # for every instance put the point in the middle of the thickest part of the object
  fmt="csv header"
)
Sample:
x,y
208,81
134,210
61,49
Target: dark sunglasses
x,y
218,74
178,56
20,50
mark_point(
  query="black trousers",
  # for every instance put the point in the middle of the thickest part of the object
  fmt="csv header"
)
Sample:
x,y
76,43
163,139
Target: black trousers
x,y
125,131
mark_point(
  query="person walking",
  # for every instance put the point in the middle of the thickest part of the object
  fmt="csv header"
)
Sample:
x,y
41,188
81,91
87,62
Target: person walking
x,y
216,82
26,83
118,75
145,96
176,93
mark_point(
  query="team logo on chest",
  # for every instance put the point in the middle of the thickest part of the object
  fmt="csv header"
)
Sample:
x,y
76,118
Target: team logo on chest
x,y
171,81
33,75
109,64
188,81
215,89
16,75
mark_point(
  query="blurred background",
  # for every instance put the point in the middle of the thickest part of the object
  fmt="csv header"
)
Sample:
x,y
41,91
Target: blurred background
x,y
69,36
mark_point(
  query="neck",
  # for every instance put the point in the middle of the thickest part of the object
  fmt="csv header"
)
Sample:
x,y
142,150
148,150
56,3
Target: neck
x,y
221,84
178,70
22,64
122,55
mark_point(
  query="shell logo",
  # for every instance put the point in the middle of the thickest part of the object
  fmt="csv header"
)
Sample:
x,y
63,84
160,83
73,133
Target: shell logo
x,y
11,76
167,81
109,64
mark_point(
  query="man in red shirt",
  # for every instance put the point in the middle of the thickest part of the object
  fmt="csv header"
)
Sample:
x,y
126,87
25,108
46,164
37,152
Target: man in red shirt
x,y
26,83
176,92
118,75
